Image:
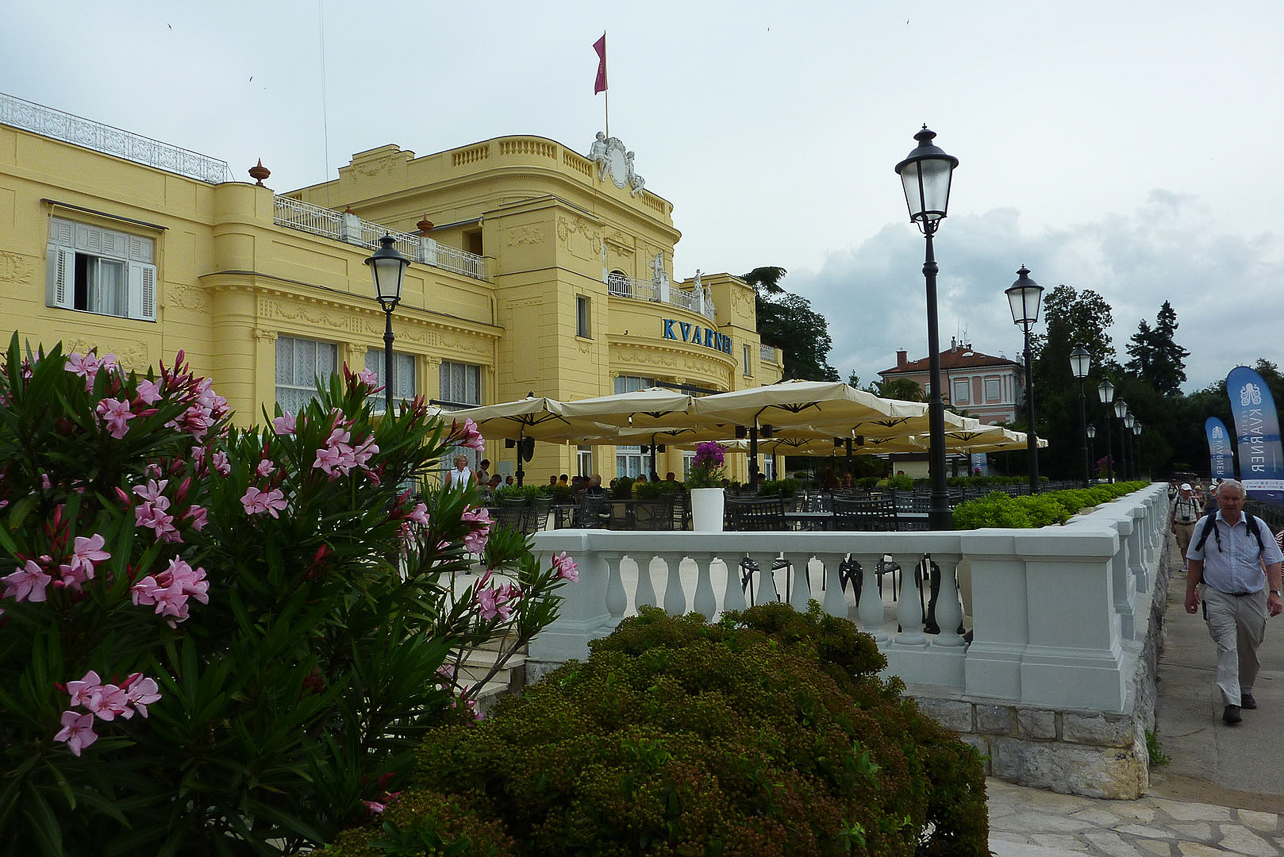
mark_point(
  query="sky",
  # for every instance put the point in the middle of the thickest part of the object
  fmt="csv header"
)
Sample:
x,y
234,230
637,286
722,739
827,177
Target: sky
x,y
1123,147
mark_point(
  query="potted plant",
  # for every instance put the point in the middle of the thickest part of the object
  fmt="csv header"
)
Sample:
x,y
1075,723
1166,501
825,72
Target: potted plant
x,y
705,482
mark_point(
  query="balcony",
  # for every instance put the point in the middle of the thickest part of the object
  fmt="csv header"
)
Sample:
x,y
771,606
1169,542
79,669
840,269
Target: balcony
x,y
620,286
342,226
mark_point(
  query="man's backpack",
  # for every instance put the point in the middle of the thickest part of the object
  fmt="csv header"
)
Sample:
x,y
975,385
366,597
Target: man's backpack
x,y
1210,523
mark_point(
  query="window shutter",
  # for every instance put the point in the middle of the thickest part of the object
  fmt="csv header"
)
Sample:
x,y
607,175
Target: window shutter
x,y
62,265
140,249
142,291
60,233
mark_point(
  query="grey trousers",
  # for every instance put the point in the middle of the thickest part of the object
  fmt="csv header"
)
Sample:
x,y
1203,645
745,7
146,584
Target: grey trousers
x,y
1237,625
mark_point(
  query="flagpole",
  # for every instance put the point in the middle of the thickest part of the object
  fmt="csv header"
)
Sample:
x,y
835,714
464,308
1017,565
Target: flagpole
x,y
606,101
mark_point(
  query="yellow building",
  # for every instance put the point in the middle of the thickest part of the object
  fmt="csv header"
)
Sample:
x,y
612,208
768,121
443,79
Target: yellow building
x,y
536,269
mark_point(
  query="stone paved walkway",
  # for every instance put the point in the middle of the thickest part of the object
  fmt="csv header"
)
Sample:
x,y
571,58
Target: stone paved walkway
x,y
1027,822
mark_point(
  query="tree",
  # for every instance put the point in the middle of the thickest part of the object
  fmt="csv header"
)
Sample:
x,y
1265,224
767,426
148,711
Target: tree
x,y
1156,358
1071,318
903,389
787,321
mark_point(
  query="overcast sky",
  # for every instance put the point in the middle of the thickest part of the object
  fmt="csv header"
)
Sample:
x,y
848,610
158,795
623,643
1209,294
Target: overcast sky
x,y
1123,147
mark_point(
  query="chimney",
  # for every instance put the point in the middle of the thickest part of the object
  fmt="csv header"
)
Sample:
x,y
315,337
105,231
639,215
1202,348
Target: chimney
x,y
954,344
902,360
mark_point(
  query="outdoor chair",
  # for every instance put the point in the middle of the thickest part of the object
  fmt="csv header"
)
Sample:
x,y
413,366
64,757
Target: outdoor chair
x,y
681,511
865,515
507,515
537,516
656,514
594,513
755,515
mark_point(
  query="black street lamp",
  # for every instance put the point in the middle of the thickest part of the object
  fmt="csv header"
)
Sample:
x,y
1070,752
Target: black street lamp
x,y
1121,411
1080,361
1091,431
1107,393
1129,422
1136,447
1023,297
925,174
388,267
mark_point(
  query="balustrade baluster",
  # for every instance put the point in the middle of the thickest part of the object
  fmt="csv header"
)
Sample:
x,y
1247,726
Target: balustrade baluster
x,y
800,591
869,609
835,603
705,604
949,610
766,589
733,598
645,594
616,599
909,613
675,600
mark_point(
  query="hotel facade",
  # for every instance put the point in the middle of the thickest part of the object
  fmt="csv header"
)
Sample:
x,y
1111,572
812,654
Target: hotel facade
x,y
535,268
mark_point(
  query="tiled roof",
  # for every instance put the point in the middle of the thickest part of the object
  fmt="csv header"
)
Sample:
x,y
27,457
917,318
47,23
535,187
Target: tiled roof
x,y
954,358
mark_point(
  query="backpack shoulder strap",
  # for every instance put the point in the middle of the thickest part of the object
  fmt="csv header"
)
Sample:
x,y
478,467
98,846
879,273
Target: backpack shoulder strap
x,y
1209,525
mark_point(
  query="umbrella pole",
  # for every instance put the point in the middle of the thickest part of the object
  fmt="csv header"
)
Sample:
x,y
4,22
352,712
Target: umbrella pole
x,y
753,456
520,437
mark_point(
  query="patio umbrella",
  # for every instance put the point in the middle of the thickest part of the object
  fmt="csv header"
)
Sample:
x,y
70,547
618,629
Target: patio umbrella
x,y
814,405
524,421
637,414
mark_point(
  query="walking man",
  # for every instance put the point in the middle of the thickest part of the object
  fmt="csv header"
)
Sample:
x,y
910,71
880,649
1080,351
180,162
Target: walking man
x,y
1185,512
1226,559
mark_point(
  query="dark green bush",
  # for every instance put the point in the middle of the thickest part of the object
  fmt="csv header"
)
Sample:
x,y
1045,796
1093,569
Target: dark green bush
x,y
783,488
767,733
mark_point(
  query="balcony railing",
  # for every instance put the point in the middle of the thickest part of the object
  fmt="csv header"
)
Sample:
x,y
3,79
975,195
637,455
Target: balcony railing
x,y
111,141
1055,612
341,226
648,290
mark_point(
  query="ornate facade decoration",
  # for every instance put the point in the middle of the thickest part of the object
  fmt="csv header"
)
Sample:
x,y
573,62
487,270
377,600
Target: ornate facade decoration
x,y
579,238
614,160
532,234
14,269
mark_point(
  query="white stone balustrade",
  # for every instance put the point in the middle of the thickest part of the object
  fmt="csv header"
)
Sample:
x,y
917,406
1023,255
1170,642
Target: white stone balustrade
x,y
1052,609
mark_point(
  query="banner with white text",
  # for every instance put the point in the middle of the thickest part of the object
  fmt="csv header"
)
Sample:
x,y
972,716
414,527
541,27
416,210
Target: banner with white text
x,y
1257,430
1221,459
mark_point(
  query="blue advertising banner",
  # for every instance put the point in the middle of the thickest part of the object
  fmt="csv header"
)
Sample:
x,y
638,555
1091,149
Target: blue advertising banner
x,y
1221,460
1257,428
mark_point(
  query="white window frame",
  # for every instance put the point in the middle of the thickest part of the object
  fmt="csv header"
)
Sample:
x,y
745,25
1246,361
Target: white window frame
x,y
584,460
996,384
748,363
632,383
964,384
629,461
298,388
583,317
100,249
454,377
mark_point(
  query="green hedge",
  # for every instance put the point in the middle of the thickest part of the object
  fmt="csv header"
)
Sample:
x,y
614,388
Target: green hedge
x,y
766,734
998,509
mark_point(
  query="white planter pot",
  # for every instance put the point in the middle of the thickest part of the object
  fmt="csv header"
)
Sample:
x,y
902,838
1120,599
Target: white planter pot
x,y
706,509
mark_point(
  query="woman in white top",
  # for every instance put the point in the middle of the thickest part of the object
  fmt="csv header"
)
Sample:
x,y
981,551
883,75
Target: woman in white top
x,y
461,477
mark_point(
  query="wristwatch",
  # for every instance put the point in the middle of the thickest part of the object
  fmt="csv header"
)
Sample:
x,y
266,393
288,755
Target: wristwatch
x,y
1275,592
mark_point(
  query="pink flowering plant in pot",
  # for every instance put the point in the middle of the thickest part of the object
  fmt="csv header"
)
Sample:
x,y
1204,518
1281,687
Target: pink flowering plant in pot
x,y
221,640
708,466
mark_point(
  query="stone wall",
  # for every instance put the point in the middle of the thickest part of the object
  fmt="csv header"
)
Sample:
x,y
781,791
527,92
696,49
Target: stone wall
x,y
1087,753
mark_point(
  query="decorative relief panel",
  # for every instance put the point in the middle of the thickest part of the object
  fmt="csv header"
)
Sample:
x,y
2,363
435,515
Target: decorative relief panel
x,y
531,234
742,301
187,297
14,269
130,353
579,238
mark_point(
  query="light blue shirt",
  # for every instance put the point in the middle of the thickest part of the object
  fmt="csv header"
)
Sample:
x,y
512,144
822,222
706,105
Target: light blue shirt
x,y
1237,566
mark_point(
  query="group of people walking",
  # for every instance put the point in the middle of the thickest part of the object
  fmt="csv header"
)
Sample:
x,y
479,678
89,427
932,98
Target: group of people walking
x,y
1233,572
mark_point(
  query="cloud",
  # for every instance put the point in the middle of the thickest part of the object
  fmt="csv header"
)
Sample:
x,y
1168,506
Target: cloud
x,y
1223,286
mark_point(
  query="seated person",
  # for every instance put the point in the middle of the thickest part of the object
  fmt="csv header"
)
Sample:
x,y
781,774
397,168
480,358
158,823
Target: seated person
x,y
595,488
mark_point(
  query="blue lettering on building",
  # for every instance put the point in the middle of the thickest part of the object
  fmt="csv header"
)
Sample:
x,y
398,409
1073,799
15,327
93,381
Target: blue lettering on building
x,y
695,335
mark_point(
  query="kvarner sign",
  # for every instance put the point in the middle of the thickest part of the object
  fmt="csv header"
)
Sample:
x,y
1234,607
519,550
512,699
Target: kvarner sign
x,y
685,331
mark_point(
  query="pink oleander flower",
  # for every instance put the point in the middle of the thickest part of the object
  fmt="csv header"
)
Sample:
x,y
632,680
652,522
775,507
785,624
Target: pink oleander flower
x,y
149,392
257,502
77,731
28,583
108,702
285,424
328,460
82,690
496,602
374,807
370,379
86,366
169,590
566,568
153,493
141,692
161,522
419,515
478,536
86,553
116,415
471,437
197,516
221,465
265,468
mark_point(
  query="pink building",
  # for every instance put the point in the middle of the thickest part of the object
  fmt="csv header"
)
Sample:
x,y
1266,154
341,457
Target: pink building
x,y
986,387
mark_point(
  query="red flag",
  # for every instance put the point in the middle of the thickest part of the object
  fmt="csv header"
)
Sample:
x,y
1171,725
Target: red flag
x,y
600,46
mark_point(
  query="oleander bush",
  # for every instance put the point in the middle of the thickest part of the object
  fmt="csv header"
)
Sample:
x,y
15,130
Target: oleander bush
x,y
768,733
219,640
998,509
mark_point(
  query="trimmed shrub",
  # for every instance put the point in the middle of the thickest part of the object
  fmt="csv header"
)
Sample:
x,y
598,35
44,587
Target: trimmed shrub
x,y
998,509
768,733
